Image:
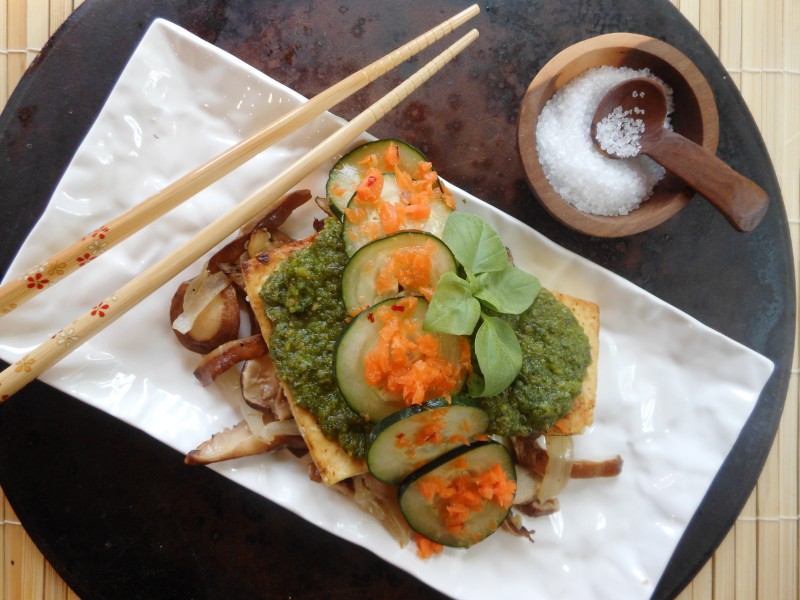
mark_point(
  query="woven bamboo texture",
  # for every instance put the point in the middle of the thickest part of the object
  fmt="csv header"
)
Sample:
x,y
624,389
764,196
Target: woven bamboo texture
x,y
758,41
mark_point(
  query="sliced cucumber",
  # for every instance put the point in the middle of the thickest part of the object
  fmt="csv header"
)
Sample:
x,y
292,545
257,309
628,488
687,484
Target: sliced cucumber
x,y
361,336
433,517
374,261
414,436
369,229
348,172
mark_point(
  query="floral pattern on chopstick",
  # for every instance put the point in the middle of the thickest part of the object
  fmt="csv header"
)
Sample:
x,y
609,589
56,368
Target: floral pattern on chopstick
x,y
100,309
41,276
97,245
37,281
55,269
25,364
66,337
99,233
85,259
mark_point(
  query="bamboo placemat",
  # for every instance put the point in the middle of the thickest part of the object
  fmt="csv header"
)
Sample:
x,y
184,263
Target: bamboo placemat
x,y
758,42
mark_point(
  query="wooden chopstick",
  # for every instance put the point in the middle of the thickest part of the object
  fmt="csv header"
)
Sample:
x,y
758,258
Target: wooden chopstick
x,y
30,366
18,291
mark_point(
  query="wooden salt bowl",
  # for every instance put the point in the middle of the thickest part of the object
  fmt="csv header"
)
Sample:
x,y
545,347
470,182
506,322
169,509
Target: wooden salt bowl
x,y
694,116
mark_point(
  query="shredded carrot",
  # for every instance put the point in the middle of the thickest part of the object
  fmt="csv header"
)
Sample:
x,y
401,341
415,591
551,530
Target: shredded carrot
x,y
427,292
462,437
430,486
425,547
407,268
459,439
357,310
369,230
403,179
401,440
407,362
425,171
494,485
431,432
392,156
456,499
355,215
337,189
391,217
370,187
419,202
418,192
370,160
419,211
446,197
461,463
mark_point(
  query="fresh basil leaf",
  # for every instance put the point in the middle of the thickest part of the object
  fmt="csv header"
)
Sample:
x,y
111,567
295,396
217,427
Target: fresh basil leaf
x,y
474,243
452,309
499,356
510,291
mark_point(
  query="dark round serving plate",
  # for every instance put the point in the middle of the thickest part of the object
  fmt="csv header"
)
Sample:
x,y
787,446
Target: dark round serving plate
x,y
120,516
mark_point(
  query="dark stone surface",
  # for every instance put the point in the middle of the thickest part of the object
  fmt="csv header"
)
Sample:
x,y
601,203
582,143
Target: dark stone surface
x,y
119,515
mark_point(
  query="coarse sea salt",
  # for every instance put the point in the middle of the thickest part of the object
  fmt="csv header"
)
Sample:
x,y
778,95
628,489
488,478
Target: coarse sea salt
x,y
578,172
619,133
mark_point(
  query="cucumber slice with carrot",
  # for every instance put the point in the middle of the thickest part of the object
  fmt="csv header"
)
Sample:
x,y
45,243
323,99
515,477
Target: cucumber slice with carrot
x,y
366,227
349,170
384,361
365,224
461,497
408,262
414,436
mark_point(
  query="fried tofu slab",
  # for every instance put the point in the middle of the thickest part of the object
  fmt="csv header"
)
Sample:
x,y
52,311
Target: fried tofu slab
x,y
581,415
332,461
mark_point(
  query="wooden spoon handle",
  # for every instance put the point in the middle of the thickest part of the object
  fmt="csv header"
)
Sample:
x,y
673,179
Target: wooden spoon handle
x,y
740,200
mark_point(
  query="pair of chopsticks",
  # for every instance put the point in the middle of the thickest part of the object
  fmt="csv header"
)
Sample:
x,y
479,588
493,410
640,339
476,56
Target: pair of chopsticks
x,y
30,366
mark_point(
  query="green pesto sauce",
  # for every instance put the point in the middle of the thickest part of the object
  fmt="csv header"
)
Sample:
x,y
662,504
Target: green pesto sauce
x,y
304,304
555,356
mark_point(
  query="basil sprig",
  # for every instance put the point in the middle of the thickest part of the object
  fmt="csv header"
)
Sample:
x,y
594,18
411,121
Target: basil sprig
x,y
490,282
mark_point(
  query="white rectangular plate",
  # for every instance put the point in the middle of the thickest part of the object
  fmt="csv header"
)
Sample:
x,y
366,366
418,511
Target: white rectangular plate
x,y
673,394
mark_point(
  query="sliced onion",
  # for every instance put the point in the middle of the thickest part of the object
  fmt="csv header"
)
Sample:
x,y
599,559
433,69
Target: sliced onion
x,y
266,430
264,240
380,500
559,466
538,509
202,290
216,324
265,427
527,486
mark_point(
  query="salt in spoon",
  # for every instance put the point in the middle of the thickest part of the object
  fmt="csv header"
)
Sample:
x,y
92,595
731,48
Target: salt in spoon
x,y
630,120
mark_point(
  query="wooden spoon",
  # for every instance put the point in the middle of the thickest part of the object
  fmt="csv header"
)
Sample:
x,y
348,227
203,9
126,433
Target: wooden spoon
x,y
630,120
